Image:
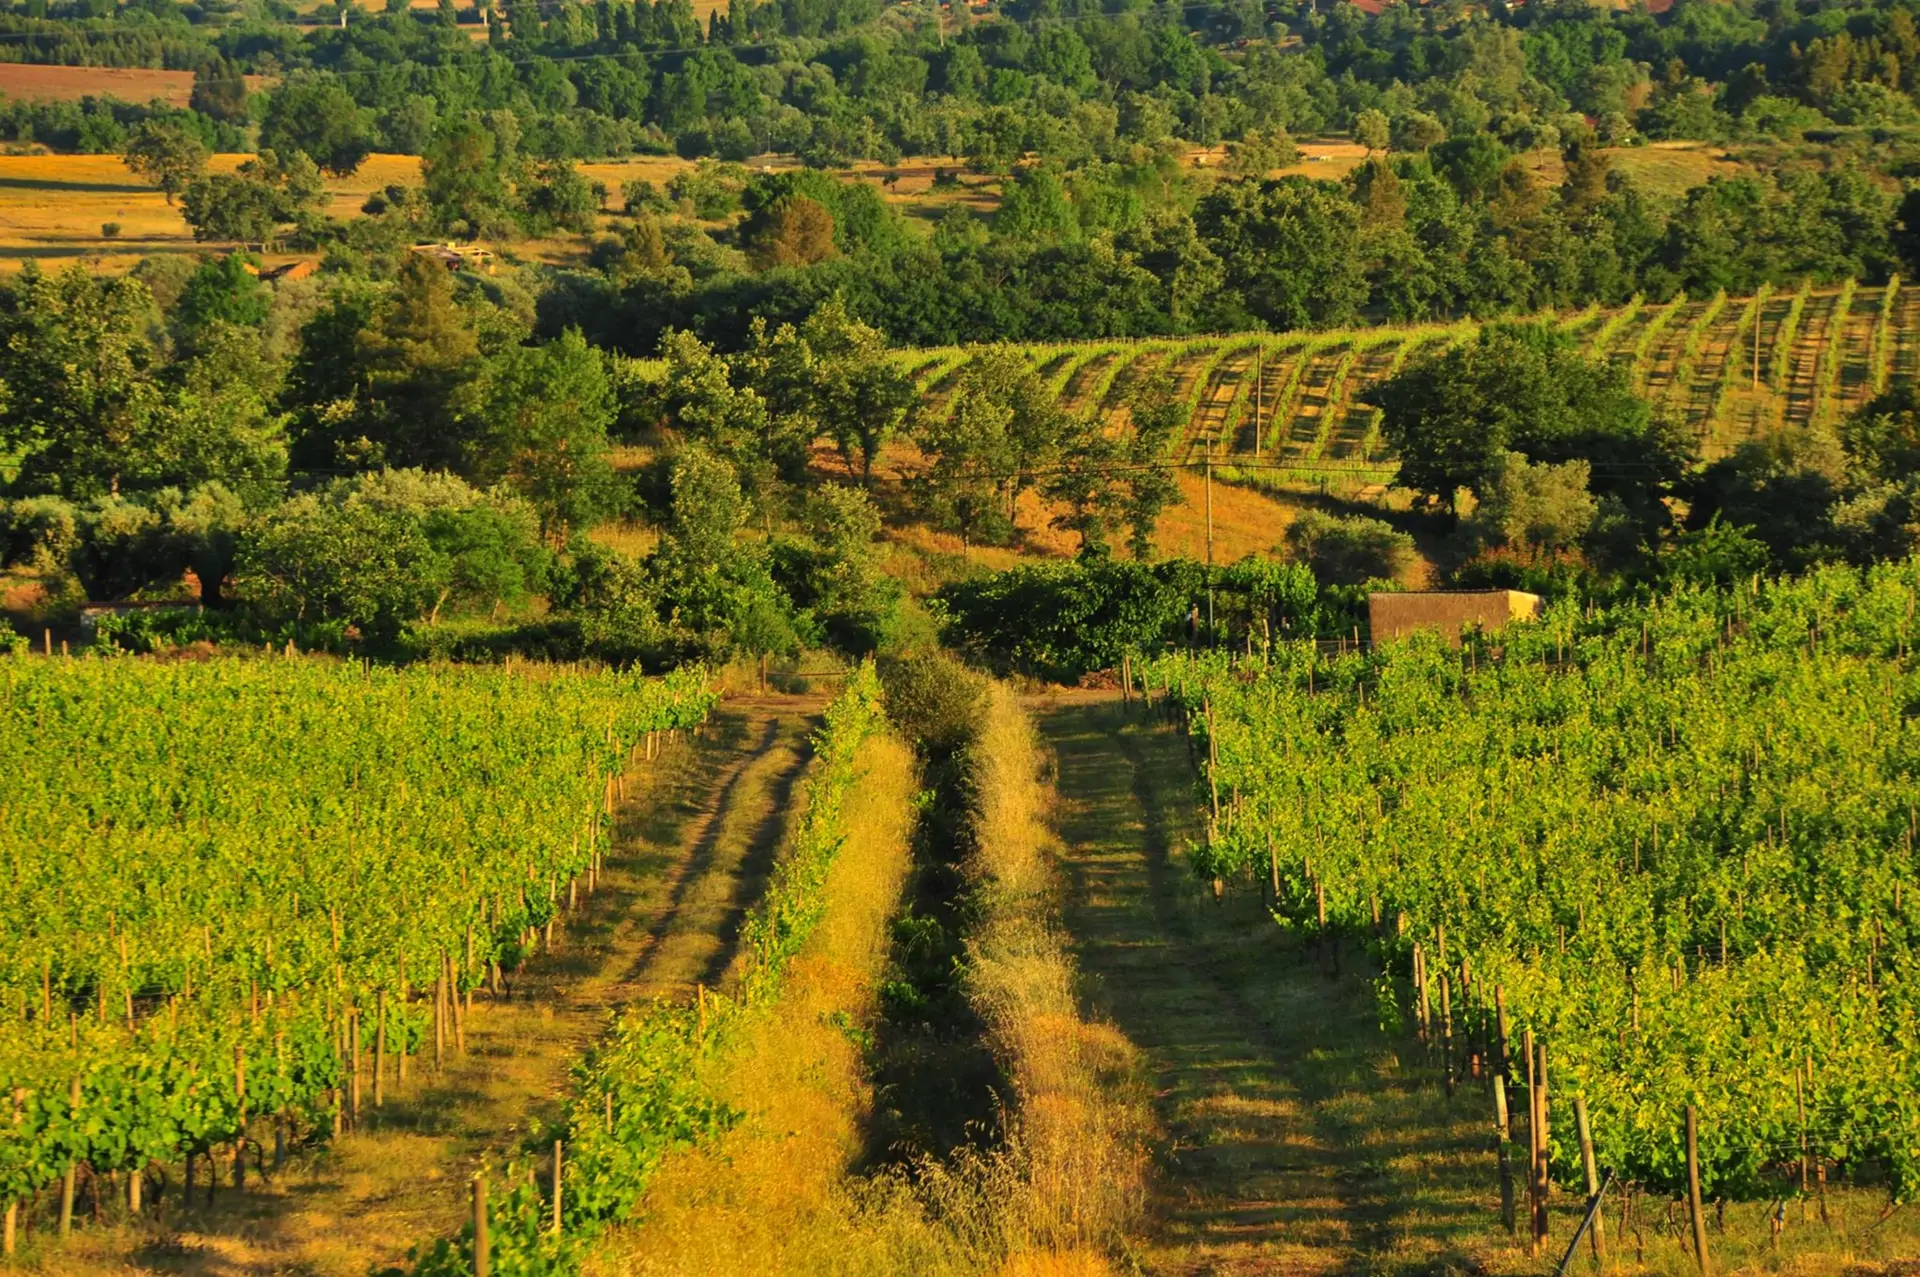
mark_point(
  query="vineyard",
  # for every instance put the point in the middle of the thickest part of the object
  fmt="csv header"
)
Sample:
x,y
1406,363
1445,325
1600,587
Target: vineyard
x,y
1662,855
247,894
1290,404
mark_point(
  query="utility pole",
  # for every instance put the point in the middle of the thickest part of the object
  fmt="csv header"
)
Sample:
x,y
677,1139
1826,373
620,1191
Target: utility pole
x,y
1209,481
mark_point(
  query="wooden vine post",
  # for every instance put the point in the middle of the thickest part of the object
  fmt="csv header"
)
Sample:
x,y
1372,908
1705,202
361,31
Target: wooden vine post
x,y
1694,1206
73,1167
380,1051
1503,1139
556,1188
1590,1168
1537,1176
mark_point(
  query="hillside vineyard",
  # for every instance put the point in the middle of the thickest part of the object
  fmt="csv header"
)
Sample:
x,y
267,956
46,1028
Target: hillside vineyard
x,y
1295,402
1671,844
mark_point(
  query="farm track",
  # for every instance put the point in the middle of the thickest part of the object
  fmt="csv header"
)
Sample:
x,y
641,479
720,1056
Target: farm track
x,y
1052,365
1905,363
1139,364
1207,430
1803,367
1292,1139
1080,385
1702,395
1621,345
693,842
1262,400
1663,361
1854,385
1188,367
1318,391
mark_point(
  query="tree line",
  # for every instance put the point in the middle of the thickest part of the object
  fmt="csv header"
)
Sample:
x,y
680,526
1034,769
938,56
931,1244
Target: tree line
x,y
836,80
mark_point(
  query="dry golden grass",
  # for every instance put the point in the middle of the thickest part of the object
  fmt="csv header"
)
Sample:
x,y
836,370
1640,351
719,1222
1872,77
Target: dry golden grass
x,y
1077,1119
53,206
1659,168
776,1194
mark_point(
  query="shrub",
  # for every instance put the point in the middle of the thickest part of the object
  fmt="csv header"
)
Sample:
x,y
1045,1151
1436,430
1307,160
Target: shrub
x,y
1348,549
1062,620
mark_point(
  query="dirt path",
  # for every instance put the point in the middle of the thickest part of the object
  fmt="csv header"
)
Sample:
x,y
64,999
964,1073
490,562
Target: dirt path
x,y
694,841
1295,1140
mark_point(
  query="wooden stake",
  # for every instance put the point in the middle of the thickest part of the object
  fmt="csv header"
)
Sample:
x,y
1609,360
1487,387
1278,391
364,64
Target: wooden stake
x,y
1806,1161
1693,1194
556,1188
1503,1136
73,1168
353,1067
454,1009
1536,1147
380,1054
1590,1168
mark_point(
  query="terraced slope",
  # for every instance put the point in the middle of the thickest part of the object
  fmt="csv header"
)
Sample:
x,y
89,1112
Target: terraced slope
x,y
1296,402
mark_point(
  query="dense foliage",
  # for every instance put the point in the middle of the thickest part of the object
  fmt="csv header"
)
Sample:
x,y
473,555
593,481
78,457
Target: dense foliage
x,y
214,865
1678,835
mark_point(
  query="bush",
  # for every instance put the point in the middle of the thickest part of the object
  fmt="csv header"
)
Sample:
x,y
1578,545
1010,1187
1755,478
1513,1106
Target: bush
x,y
382,551
934,701
1348,549
38,533
1062,620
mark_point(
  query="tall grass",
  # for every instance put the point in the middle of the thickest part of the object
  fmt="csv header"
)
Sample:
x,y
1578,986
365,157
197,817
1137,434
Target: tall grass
x,y
780,1192
1077,1119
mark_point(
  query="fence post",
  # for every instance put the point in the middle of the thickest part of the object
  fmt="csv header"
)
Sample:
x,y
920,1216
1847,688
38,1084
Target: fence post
x,y
1503,1134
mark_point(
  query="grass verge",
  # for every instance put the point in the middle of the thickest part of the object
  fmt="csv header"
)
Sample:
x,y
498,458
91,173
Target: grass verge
x,y
1076,1121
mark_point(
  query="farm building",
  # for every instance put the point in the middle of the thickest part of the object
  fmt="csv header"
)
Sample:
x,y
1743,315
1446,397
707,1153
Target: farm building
x,y
1392,616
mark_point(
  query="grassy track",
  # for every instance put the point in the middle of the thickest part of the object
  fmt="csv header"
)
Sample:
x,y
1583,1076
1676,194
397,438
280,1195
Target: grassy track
x,y
1295,1136
694,840
777,1193
1292,1138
